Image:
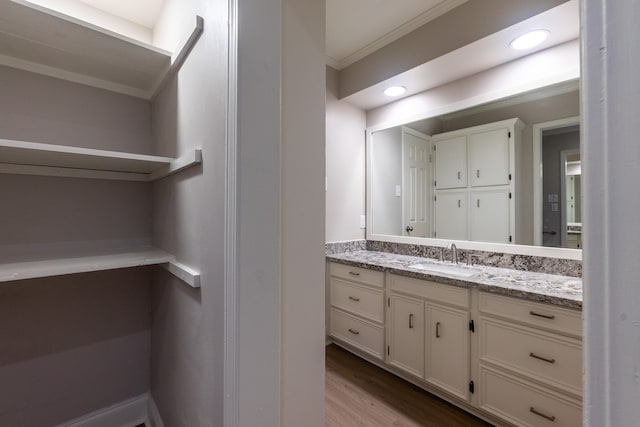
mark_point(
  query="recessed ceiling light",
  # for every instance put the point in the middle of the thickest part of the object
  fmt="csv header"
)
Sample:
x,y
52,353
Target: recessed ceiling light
x,y
395,90
529,40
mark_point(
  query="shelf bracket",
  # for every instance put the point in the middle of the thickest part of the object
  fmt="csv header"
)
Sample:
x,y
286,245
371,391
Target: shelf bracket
x,y
192,158
181,57
183,272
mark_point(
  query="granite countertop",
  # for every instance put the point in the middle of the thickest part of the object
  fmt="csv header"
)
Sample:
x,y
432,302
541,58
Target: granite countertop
x,y
563,291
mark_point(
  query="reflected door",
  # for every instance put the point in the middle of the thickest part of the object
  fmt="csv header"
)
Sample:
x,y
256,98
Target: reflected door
x,y
416,176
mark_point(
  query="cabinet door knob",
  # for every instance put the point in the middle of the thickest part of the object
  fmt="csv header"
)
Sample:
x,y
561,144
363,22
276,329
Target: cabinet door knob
x,y
356,299
437,329
354,332
477,173
354,273
459,175
411,321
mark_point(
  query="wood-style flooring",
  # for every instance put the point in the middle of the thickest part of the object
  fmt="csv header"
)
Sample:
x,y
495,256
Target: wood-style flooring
x,y
359,394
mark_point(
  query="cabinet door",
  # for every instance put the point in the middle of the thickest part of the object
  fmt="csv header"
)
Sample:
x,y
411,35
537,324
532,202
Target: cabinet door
x,y
406,334
451,163
490,219
447,349
451,215
489,158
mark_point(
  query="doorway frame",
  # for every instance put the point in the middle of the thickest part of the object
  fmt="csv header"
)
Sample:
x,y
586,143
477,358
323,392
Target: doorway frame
x,y
538,129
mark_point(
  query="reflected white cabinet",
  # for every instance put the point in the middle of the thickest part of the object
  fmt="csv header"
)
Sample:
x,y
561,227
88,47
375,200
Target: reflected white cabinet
x,y
489,157
447,349
406,334
484,159
451,213
490,216
451,163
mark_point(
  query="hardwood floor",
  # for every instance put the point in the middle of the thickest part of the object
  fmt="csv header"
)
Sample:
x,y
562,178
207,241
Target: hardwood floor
x,y
361,394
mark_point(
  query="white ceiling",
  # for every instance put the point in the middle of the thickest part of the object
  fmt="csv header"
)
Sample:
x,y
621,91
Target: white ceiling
x,y
141,12
356,28
563,22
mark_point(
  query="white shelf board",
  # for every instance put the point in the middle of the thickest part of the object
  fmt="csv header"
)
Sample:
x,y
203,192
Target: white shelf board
x,y
82,264
33,158
184,273
41,40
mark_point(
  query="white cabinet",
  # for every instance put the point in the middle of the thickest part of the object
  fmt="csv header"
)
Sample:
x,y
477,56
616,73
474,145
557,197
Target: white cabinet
x,y
440,342
529,362
406,334
451,211
447,349
356,308
451,163
489,158
511,359
490,216
479,163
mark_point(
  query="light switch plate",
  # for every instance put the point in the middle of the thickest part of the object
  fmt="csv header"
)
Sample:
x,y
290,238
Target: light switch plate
x,y
363,221
398,190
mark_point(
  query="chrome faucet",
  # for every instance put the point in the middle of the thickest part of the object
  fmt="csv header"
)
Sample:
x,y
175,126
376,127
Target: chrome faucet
x,y
454,253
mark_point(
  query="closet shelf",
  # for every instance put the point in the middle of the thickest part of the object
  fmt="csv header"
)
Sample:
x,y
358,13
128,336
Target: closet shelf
x,y
98,262
40,40
82,264
32,158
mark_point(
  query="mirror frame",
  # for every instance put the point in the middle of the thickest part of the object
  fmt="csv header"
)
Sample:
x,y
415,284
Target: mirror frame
x,y
540,251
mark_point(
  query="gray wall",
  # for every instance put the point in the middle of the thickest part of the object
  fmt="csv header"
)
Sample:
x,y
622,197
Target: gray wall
x,y
71,344
188,221
345,165
552,145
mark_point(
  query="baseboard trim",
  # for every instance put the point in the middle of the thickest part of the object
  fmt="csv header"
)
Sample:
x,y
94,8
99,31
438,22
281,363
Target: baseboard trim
x,y
128,413
153,415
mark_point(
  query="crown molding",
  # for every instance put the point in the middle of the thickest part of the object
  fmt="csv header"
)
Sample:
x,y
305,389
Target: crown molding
x,y
409,26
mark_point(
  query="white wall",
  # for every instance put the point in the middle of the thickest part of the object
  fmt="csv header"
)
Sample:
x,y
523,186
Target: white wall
x,y
303,213
187,342
281,213
345,165
386,173
611,106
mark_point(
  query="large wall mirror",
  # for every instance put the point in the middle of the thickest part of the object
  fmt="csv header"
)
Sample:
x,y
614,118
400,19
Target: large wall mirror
x,y
502,176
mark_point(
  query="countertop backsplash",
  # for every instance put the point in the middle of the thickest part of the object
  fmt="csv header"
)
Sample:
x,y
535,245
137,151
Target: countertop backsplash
x,y
563,267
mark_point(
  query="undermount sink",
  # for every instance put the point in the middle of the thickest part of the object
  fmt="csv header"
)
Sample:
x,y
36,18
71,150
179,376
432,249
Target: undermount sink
x,y
453,270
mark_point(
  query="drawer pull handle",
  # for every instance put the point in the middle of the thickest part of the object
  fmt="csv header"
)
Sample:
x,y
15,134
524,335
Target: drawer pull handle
x,y
540,414
354,332
437,329
545,316
354,273
411,321
535,356
356,299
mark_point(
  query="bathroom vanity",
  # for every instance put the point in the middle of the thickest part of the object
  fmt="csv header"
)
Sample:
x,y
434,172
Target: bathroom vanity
x,y
503,344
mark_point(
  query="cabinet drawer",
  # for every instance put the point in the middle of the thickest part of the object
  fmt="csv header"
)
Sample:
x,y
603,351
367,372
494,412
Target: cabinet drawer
x,y
545,316
357,274
447,294
524,404
359,333
546,357
357,299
